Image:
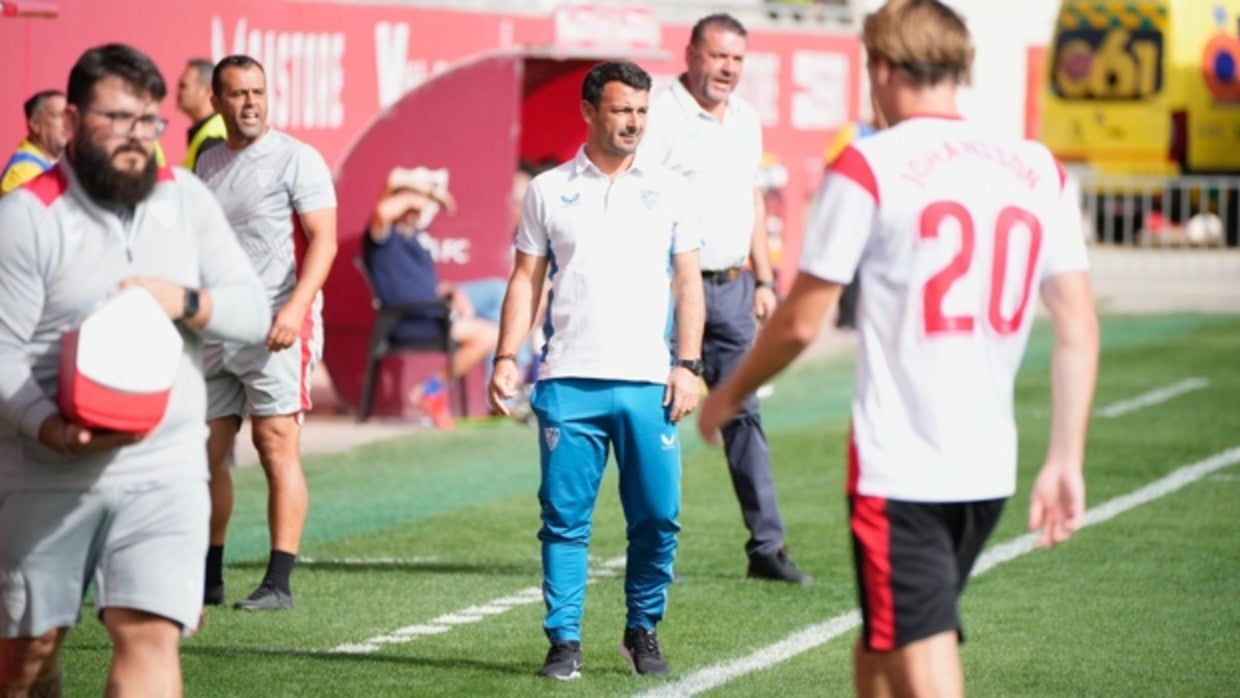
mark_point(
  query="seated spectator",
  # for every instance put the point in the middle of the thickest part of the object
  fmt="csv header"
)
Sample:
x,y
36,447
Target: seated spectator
x,y
402,271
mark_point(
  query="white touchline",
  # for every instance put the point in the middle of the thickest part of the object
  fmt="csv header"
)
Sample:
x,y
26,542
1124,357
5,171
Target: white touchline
x,y
819,634
364,561
472,614
1153,397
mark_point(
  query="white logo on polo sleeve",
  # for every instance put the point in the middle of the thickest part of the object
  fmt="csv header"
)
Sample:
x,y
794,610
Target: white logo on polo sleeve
x,y
552,436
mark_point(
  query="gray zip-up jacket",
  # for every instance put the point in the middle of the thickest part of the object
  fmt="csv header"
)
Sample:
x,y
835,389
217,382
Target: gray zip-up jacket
x,y
61,255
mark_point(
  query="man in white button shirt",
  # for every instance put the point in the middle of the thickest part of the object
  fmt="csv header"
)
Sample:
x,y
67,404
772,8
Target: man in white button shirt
x,y
616,238
954,231
700,128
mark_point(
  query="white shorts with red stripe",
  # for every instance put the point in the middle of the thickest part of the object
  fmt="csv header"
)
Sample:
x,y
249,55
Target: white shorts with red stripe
x,y
245,380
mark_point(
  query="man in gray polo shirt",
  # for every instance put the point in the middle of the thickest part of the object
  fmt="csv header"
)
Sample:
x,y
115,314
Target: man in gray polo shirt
x,y
76,501
267,181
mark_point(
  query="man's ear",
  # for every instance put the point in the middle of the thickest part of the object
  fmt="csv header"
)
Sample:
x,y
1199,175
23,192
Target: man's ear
x,y
72,119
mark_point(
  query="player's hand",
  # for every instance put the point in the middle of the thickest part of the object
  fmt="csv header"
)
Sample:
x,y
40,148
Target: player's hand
x,y
170,296
505,380
764,302
462,307
286,327
682,394
1057,503
717,410
73,439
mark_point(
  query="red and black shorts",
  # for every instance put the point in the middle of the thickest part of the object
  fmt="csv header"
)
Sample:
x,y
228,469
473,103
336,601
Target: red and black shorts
x,y
912,560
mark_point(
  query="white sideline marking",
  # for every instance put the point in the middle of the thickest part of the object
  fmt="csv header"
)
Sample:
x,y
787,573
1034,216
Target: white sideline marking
x,y
362,561
464,616
1153,397
815,635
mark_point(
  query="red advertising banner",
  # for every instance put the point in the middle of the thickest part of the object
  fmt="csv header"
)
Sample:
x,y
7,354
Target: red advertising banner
x,y
334,69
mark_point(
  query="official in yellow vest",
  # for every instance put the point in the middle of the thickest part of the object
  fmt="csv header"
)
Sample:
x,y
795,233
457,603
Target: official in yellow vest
x,y
194,100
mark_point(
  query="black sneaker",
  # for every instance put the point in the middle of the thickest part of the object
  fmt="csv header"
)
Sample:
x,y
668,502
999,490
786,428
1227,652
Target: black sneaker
x,y
563,661
265,598
641,649
777,568
213,596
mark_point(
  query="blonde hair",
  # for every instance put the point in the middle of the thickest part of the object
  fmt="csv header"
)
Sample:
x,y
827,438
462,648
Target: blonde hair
x,y
925,39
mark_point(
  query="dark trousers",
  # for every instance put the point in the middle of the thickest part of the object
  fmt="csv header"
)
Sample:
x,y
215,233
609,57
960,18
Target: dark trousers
x,y
729,333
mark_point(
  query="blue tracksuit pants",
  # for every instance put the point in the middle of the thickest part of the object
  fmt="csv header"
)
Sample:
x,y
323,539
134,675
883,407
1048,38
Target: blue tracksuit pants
x,y
579,420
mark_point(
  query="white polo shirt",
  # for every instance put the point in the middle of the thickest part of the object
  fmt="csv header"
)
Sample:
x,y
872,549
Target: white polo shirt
x,y
720,160
610,246
952,232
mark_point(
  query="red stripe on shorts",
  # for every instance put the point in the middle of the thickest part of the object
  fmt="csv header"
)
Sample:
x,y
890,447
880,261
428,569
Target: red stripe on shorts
x,y
872,528
305,341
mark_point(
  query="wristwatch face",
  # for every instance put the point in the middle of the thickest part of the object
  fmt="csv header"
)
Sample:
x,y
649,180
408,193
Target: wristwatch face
x,y
191,303
695,366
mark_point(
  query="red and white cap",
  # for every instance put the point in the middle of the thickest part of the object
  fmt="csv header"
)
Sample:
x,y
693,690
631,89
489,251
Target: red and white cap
x,y
118,367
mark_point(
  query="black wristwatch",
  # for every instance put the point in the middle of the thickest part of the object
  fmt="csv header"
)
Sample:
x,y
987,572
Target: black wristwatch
x,y
191,303
695,366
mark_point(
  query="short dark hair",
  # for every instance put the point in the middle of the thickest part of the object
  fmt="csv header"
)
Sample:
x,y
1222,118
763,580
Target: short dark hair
x,y
238,60
120,60
204,67
32,105
626,72
722,21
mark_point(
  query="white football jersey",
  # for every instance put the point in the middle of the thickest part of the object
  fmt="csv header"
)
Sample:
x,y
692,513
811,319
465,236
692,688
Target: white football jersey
x,y
951,231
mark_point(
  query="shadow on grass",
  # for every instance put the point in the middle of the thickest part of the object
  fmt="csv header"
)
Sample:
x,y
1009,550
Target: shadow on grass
x,y
447,663
490,569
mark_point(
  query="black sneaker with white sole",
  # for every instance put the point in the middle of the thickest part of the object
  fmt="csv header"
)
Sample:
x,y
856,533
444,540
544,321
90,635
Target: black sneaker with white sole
x,y
266,598
641,648
563,661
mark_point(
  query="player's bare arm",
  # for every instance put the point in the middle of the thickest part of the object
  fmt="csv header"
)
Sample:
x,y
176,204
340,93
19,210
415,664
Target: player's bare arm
x,y
320,230
684,389
1057,501
764,298
516,318
794,324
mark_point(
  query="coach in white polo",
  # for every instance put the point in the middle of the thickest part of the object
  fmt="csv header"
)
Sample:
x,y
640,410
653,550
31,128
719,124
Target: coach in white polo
x,y
616,239
700,128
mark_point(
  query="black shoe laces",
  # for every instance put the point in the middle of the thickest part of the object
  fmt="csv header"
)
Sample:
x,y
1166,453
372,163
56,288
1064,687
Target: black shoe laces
x,y
646,643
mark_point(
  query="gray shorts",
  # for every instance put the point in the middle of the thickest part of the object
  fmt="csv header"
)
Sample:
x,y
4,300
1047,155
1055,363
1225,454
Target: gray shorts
x,y
145,546
249,379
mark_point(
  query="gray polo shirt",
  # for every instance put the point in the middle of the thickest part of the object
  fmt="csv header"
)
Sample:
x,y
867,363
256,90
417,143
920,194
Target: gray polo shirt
x,y
261,187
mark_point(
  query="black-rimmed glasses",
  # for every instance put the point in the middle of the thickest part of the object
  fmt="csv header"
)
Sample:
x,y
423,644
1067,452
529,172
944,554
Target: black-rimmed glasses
x,y
126,123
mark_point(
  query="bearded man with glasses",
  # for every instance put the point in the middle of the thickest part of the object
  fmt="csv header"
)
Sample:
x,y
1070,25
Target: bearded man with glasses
x,y
75,500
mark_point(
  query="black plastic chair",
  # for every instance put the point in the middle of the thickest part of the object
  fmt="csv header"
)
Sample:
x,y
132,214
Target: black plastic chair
x,y
387,316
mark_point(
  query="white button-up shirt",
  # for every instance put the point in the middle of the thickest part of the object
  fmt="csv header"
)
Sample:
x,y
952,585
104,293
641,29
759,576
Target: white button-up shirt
x,y
720,160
